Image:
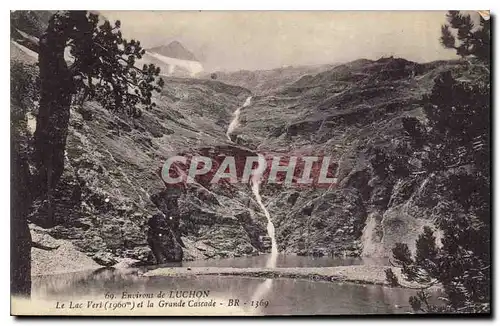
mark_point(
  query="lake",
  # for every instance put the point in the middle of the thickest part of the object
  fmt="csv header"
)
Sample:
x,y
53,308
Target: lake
x,y
277,296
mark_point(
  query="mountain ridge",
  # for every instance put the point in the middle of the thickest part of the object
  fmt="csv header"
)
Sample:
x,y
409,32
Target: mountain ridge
x,y
174,49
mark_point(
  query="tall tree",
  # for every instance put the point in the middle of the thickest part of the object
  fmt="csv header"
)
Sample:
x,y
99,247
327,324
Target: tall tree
x,y
457,142
465,37
102,69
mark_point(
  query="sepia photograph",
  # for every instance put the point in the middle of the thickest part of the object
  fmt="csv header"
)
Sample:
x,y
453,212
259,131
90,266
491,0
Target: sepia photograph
x,y
250,163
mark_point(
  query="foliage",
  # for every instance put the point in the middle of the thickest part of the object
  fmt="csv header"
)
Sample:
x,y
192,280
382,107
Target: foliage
x,y
468,38
33,22
456,144
379,162
388,164
25,86
24,96
455,140
414,131
460,265
103,69
458,124
104,65
391,278
24,89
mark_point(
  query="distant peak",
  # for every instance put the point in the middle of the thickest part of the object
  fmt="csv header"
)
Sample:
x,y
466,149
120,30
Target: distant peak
x,y
174,49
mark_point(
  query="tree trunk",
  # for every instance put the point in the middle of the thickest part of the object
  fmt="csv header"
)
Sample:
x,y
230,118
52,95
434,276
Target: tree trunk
x,y
56,90
20,253
20,237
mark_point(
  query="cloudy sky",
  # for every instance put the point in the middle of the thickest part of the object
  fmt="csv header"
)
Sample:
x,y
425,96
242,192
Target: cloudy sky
x,y
229,40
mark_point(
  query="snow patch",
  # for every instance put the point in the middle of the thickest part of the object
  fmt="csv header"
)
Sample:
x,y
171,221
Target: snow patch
x,y
193,67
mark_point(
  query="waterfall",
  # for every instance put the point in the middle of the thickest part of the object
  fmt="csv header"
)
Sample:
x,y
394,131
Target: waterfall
x,y
370,241
270,226
236,120
255,181
264,287
256,187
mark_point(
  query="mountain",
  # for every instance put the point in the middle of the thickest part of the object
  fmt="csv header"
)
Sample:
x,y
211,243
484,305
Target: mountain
x,y
174,50
351,112
266,81
111,203
173,60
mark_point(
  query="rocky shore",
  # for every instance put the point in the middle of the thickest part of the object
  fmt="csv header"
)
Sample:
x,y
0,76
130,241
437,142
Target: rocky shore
x,y
63,257
359,274
55,256
60,256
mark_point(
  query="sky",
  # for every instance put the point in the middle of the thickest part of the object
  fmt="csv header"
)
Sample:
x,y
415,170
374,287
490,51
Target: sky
x,y
251,40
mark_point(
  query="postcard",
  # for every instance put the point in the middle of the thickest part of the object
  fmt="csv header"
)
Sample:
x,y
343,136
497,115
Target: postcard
x,y
250,163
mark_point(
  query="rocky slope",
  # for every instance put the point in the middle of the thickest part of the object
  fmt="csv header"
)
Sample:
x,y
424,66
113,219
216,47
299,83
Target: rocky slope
x,y
111,202
353,113
266,81
348,112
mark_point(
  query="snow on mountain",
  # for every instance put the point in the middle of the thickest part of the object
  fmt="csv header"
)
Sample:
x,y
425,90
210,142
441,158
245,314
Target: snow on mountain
x,y
173,66
174,60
